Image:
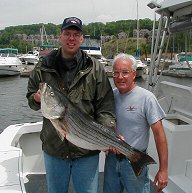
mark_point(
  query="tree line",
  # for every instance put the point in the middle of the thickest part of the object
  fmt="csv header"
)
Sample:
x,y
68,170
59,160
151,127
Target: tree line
x,y
96,29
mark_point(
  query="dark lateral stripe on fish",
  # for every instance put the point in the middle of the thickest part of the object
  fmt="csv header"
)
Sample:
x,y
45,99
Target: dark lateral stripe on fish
x,y
88,132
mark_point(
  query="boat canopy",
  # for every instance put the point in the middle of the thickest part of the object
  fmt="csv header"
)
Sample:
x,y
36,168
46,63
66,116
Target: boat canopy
x,y
90,48
184,57
47,46
170,7
180,13
8,49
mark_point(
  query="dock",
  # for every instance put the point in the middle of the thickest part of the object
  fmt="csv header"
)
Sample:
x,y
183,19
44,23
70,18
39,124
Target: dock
x,y
26,70
108,70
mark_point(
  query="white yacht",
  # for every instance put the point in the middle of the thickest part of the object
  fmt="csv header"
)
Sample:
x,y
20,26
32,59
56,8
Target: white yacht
x,y
31,58
92,47
182,66
141,68
9,62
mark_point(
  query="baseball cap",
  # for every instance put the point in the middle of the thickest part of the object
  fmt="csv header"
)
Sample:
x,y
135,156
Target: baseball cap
x,y
70,22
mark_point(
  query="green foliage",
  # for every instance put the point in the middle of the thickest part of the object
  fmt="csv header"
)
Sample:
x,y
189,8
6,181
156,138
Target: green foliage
x,y
96,30
93,29
125,45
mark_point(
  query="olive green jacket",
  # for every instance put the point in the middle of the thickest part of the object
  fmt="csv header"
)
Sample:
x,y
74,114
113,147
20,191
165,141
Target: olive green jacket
x,y
90,91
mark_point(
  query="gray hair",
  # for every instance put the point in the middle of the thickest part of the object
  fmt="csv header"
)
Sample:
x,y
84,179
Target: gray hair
x,y
127,57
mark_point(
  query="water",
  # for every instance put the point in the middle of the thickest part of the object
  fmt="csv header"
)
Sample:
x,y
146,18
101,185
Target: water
x,y
13,103
14,107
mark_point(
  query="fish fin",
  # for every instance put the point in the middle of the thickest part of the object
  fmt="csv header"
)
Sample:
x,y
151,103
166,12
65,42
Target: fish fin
x,y
141,162
60,128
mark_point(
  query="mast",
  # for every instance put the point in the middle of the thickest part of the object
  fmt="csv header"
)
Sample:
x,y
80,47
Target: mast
x,y
137,50
43,33
137,27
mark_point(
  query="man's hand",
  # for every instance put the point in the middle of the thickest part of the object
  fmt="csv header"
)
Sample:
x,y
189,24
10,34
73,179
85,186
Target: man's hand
x,y
37,96
113,149
161,179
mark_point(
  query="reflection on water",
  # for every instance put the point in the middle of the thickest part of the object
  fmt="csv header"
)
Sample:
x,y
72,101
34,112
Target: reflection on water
x,y
13,103
14,107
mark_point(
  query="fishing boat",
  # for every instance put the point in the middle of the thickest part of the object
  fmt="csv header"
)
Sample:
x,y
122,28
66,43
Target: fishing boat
x,y
141,68
21,160
182,66
175,15
9,62
92,47
31,58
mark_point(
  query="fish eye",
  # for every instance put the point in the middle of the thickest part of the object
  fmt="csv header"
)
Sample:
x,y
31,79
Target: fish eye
x,y
52,93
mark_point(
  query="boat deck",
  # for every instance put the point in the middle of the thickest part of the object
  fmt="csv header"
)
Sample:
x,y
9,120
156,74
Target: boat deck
x,y
37,184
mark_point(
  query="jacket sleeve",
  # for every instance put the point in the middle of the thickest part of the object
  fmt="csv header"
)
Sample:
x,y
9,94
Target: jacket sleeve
x,y
32,88
104,98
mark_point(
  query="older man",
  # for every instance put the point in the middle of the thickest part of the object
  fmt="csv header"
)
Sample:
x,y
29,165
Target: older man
x,y
137,110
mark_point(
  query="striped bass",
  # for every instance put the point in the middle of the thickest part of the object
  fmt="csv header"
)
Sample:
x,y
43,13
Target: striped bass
x,y
83,131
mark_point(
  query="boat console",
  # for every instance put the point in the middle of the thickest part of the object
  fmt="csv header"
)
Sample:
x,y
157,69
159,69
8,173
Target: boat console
x,y
177,104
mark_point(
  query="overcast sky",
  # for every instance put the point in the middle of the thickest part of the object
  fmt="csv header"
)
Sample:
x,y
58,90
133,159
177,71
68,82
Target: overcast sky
x,y
24,12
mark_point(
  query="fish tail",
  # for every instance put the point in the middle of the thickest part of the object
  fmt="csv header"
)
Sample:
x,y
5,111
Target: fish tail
x,y
139,164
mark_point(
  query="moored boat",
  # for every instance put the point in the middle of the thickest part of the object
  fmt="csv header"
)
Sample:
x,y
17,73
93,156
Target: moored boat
x,y
92,47
9,62
182,66
141,68
31,58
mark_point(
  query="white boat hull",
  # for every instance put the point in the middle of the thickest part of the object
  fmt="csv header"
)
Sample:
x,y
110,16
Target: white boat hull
x,y
140,68
178,72
140,72
9,65
21,154
178,128
29,59
10,70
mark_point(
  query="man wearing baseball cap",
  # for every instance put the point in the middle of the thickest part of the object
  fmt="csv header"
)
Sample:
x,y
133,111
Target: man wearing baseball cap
x,y
72,21
84,81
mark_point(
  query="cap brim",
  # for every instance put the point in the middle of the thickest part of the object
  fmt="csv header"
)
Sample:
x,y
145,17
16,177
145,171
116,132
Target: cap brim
x,y
72,25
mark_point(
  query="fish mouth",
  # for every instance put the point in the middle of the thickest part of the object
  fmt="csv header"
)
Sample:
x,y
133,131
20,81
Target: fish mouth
x,y
42,86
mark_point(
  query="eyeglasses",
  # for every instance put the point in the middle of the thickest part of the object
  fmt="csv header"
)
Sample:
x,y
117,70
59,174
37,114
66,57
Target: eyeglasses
x,y
124,73
74,35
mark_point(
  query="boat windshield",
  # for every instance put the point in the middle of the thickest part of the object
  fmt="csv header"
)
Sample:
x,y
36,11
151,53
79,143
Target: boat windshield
x,y
3,54
12,55
7,55
183,57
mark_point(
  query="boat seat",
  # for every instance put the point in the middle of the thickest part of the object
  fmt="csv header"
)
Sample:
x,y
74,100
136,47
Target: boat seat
x,y
11,181
176,96
180,184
